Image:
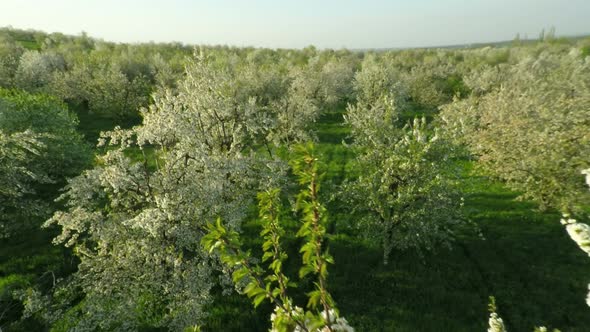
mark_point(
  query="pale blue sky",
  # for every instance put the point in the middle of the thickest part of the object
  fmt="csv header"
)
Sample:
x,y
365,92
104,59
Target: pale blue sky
x,y
286,24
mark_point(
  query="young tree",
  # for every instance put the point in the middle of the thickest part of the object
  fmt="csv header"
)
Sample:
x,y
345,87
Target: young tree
x,y
35,70
17,179
136,224
10,53
39,146
337,77
433,85
531,131
112,93
406,191
374,80
103,87
271,283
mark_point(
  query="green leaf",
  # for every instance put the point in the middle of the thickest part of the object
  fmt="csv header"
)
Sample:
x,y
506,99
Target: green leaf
x,y
305,270
267,255
216,245
314,299
251,289
258,299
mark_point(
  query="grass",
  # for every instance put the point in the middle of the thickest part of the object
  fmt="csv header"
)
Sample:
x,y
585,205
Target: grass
x,y
29,260
92,124
524,258
30,45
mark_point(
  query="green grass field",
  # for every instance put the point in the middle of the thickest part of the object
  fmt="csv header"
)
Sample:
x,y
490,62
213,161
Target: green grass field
x,y
522,257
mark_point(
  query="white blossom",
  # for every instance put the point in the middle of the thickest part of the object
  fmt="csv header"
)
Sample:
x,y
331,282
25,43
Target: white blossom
x,y
580,233
496,324
587,173
336,323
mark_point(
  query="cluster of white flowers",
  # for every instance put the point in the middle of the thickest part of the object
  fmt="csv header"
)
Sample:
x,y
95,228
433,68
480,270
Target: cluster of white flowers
x,y
579,232
496,323
295,312
586,172
336,324
544,329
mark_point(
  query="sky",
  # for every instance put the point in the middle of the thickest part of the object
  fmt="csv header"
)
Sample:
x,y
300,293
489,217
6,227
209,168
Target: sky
x,y
335,24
